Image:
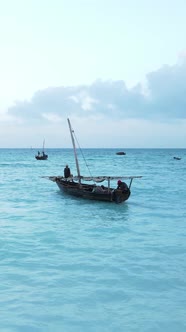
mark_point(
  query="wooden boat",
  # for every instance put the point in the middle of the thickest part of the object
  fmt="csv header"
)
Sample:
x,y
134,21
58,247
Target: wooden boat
x,y
120,153
76,186
42,155
177,158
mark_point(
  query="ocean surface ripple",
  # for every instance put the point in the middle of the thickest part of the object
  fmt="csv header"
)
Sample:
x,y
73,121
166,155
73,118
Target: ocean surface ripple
x,y
73,265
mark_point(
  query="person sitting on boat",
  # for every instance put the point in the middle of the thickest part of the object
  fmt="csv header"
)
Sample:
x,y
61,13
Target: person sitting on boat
x,y
122,186
67,172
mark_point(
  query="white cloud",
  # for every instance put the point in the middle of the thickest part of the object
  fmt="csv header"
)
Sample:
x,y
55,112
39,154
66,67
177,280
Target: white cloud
x,y
87,103
52,117
107,113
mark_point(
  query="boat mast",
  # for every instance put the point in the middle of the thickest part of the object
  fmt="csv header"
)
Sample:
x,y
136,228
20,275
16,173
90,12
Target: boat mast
x,y
74,147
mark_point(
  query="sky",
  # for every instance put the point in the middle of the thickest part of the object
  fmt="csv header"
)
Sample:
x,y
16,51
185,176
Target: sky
x,y
116,68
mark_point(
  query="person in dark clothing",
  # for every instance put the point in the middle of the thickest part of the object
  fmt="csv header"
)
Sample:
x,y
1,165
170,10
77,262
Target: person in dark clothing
x,y
67,172
120,192
122,186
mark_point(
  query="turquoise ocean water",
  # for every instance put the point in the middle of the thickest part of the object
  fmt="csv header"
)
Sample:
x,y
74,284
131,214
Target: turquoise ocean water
x,y
72,265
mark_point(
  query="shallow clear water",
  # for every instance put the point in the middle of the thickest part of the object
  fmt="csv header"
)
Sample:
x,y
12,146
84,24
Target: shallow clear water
x,y
68,264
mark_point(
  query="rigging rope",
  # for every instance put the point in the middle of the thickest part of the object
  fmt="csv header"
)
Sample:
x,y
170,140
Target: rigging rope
x,y
82,154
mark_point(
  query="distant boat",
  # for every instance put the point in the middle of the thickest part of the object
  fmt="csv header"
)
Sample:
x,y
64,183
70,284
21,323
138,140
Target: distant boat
x,y
75,187
42,155
120,153
177,158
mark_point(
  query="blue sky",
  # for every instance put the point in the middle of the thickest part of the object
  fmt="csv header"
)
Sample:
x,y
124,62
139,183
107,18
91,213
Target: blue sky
x,y
120,63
